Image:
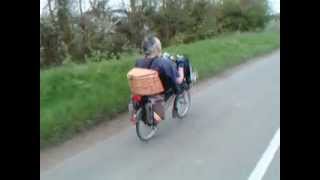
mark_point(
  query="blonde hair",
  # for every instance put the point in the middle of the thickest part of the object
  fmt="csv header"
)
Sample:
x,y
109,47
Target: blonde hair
x,y
158,47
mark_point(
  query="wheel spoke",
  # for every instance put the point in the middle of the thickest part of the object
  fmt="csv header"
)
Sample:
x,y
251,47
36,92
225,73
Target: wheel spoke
x,y
183,103
144,130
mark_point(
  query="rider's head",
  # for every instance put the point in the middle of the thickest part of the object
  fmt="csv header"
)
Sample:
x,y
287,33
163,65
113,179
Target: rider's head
x,y
151,46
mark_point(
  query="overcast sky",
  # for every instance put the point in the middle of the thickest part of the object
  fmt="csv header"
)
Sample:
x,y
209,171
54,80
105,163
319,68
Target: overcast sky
x,y
275,4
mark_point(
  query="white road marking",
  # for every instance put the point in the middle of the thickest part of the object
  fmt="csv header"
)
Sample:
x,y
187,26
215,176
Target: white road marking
x,y
264,162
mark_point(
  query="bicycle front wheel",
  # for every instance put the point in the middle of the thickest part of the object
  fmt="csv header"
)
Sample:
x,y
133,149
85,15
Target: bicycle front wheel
x,y
182,104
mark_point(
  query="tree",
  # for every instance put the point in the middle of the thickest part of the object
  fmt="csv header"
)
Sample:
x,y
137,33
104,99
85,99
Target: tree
x,y
72,30
63,21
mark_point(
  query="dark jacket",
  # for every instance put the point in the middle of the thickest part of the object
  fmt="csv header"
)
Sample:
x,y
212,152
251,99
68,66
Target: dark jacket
x,y
166,68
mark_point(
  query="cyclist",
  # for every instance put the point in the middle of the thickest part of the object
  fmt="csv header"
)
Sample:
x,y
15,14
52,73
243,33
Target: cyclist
x,y
170,73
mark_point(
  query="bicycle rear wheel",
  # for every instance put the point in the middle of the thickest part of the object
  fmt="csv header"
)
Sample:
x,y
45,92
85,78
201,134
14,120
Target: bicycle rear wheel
x,y
145,127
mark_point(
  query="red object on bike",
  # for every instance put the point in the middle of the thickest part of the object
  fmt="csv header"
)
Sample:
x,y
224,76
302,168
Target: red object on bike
x,y
136,98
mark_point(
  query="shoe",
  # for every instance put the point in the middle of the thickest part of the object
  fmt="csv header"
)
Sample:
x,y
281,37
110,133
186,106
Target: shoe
x,y
133,119
156,117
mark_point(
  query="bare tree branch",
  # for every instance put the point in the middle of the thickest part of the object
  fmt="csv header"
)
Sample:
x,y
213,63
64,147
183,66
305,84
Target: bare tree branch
x,y
80,7
93,3
50,9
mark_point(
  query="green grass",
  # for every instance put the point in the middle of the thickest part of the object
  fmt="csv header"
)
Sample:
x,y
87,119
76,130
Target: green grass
x,y
75,97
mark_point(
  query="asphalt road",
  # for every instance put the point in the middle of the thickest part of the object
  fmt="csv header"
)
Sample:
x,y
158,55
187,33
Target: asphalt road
x,y
229,127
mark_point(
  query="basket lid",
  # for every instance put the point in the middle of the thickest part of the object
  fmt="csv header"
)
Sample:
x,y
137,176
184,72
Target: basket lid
x,y
140,72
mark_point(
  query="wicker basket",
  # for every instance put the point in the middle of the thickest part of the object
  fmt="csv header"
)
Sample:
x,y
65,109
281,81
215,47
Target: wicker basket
x,y
144,82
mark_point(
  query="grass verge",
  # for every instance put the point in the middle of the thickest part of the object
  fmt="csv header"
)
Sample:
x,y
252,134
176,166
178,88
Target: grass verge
x,y
75,97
